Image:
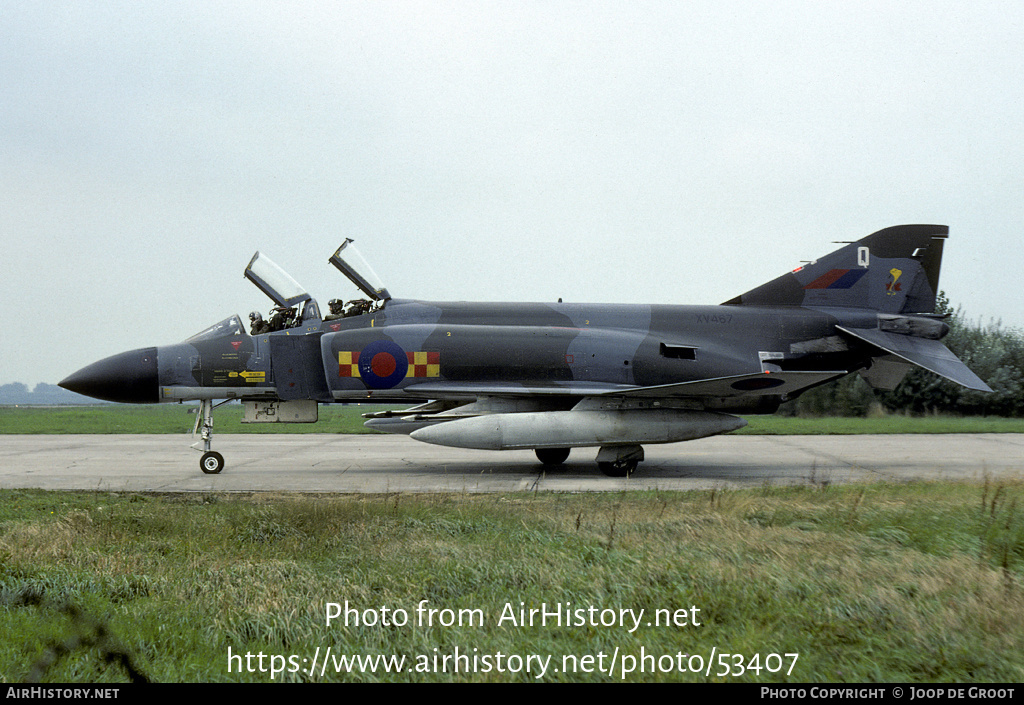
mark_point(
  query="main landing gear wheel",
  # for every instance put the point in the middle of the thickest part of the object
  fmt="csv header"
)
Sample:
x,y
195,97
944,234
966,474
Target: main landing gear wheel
x,y
212,462
552,456
619,461
618,468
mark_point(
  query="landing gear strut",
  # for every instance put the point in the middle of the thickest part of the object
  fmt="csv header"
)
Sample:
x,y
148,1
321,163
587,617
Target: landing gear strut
x,y
212,462
619,461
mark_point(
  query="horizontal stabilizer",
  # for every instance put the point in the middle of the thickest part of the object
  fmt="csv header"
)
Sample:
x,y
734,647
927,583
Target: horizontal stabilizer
x,y
929,354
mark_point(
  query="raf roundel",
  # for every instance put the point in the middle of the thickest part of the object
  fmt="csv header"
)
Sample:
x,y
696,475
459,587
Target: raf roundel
x,y
382,364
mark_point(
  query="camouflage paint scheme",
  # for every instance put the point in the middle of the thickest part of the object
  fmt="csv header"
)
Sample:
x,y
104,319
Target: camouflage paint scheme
x,y
552,376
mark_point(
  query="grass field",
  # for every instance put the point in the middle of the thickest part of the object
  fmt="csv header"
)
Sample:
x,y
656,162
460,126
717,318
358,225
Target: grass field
x,y
167,418
174,418
901,583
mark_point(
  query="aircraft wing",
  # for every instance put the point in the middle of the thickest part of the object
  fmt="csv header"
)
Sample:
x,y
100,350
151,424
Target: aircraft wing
x,y
441,390
757,384
749,385
929,354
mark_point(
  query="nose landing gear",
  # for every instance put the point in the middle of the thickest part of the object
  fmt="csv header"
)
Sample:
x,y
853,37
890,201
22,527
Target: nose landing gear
x,y
212,462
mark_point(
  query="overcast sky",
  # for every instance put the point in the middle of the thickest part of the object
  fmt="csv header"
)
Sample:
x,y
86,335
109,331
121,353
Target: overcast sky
x,y
643,152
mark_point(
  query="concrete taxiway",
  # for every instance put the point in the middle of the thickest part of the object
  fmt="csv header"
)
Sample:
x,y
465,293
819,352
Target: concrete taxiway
x,y
378,463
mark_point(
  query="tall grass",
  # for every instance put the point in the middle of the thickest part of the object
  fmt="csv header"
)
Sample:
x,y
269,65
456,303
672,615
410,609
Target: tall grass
x,y
914,582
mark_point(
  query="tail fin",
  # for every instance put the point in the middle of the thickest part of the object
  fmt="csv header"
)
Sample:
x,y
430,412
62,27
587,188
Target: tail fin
x,y
895,270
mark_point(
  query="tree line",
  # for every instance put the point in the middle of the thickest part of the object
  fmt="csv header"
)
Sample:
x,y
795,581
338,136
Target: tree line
x,y
44,394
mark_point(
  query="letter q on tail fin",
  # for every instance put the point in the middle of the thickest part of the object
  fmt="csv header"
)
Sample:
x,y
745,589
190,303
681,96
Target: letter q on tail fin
x,y
895,270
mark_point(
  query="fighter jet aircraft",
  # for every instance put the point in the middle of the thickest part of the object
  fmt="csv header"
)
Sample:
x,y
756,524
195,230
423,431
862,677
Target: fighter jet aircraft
x,y
556,376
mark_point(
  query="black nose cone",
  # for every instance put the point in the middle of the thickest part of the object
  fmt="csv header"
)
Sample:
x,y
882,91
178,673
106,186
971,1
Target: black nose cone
x,y
130,377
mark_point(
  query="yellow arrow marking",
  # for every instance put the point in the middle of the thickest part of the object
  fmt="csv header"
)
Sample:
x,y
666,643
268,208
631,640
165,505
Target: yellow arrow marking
x,y
250,376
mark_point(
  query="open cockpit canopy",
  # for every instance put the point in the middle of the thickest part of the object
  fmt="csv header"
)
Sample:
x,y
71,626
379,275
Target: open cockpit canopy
x,y
275,282
351,263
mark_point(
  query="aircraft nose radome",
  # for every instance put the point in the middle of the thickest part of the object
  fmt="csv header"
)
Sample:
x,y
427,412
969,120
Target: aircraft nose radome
x,y
130,377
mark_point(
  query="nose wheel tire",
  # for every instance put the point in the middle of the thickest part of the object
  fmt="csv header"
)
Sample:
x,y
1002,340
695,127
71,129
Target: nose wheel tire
x,y
212,462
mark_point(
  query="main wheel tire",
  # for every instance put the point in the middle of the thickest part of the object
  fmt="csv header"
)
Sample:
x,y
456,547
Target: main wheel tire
x,y
552,456
212,462
619,468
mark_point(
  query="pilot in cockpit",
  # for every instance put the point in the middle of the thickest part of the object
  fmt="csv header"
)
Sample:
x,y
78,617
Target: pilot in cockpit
x,y
283,317
337,310
357,307
257,325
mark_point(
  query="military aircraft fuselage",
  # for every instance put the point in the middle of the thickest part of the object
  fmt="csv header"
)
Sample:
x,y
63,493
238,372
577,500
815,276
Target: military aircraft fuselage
x,y
555,376
415,349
